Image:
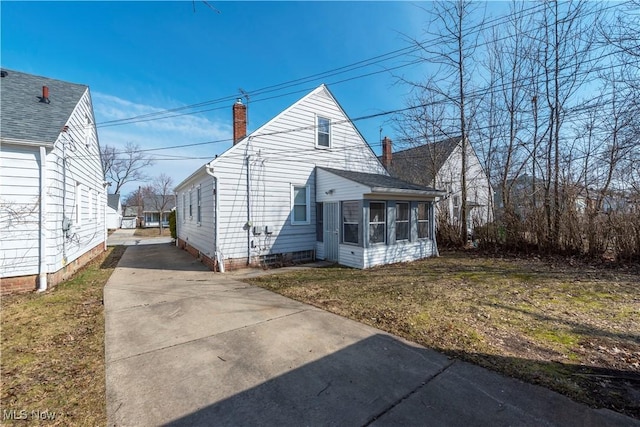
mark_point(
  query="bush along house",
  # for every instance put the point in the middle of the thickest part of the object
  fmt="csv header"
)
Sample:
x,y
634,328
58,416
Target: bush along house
x,y
303,186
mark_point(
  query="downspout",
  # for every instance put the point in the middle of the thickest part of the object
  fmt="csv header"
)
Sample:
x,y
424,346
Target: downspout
x,y
249,224
433,228
42,277
218,252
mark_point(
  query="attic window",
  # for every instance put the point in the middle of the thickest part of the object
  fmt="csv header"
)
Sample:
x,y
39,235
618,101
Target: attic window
x,y
323,135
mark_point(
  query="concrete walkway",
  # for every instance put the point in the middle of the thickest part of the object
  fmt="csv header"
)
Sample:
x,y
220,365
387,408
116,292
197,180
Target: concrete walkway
x,y
126,237
188,347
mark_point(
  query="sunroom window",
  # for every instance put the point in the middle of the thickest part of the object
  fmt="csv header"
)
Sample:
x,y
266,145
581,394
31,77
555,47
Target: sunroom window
x,y
377,222
350,222
423,220
402,221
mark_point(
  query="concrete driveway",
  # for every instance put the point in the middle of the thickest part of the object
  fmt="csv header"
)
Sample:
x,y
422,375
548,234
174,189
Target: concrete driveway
x,y
185,346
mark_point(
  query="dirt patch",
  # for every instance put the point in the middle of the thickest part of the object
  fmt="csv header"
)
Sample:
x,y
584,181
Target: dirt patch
x,y
152,232
569,326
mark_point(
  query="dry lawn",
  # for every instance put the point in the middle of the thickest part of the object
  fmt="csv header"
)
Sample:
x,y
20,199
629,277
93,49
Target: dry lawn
x,y
152,232
52,357
572,328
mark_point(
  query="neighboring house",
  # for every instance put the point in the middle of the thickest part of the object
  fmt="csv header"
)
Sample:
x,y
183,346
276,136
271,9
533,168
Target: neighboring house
x,y
114,211
129,217
153,205
439,165
52,190
303,186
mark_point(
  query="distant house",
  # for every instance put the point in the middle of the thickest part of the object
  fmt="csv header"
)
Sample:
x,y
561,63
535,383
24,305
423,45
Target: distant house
x,y
129,217
303,186
52,192
157,208
439,165
114,211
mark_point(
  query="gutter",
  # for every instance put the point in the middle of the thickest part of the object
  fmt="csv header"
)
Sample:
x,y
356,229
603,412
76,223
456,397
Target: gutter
x,y
218,253
42,276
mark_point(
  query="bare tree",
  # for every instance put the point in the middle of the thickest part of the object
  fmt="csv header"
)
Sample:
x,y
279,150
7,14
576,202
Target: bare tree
x,y
159,195
125,165
453,52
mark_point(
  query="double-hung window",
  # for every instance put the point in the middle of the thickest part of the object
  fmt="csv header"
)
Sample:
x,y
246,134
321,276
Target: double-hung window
x,y
300,204
377,222
402,221
423,220
323,137
190,206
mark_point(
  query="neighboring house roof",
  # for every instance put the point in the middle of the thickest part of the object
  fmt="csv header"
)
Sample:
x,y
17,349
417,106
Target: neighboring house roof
x,y
28,120
382,183
152,204
421,164
113,201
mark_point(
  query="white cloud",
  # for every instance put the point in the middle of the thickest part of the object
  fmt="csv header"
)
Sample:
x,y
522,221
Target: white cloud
x,y
167,132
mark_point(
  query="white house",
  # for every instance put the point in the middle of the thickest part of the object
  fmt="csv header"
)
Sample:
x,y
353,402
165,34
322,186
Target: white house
x,y
303,186
114,211
439,164
52,193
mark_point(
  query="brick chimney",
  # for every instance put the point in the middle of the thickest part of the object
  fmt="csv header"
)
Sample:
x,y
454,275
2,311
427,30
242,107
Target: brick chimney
x,y
386,152
239,121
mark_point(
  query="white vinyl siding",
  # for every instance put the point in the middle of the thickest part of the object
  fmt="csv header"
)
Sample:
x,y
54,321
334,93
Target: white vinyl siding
x,y
20,189
278,158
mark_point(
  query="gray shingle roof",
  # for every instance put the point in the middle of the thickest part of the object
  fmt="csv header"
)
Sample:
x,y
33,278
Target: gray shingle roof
x,y
24,117
421,164
377,181
113,200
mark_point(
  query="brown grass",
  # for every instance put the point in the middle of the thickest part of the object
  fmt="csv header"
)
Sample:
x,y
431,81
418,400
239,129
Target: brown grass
x,y
53,349
151,232
574,329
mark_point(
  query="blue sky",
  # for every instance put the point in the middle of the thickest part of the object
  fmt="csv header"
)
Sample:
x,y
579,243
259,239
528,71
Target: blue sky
x,y
141,57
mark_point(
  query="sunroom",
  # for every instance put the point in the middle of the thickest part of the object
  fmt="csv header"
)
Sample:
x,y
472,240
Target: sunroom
x,y
364,220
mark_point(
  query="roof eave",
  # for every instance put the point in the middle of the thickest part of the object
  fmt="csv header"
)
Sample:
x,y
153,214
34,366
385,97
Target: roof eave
x,y
27,142
384,191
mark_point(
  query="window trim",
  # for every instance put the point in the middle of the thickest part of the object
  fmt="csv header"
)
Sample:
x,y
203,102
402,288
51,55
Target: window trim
x,y
78,202
407,221
427,220
383,222
307,189
190,206
317,133
357,222
184,207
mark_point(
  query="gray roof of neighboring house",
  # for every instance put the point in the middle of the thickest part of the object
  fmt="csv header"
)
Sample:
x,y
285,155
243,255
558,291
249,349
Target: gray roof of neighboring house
x,y
24,117
151,205
113,200
377,181
421,164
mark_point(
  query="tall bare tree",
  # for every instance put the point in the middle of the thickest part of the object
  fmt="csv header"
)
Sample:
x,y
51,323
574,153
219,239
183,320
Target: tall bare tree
x,y
124,165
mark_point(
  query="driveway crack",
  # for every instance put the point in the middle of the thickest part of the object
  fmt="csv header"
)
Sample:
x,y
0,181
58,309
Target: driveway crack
x,y
409,394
